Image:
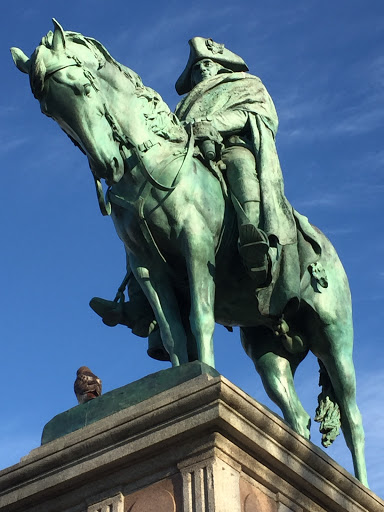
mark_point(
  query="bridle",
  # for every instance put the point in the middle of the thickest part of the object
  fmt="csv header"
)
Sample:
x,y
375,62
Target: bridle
x,y
123,141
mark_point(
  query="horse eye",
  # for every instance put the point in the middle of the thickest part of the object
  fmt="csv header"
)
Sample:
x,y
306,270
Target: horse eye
x,y
87,89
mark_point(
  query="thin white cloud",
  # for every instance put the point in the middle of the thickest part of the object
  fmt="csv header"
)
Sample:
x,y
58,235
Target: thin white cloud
x,y
361,119
178,23
353,109
368,161
12,144
369,298
329,199
340,231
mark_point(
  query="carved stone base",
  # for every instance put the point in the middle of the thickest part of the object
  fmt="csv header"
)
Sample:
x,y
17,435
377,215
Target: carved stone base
x,y
201,446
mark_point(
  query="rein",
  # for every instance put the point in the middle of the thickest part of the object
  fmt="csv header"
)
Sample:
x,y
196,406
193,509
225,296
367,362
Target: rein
x,y
139,204
124,142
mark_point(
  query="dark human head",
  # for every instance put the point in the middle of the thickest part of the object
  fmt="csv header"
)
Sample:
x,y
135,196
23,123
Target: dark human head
x,y
204,69
210,58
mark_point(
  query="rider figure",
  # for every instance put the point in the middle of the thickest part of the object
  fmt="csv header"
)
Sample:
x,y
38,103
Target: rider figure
x,y
219,106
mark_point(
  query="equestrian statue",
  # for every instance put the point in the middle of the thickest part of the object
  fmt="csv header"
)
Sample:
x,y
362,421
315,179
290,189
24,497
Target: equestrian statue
x,y
197,198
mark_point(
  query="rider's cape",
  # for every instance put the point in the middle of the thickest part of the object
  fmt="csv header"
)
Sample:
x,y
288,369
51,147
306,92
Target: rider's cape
x,y
242,91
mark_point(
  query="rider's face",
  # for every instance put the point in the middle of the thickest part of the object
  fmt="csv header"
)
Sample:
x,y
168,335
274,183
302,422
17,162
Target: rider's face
x,y
204,69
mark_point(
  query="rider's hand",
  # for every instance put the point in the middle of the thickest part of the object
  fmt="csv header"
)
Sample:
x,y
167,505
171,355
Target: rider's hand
x,y
204,130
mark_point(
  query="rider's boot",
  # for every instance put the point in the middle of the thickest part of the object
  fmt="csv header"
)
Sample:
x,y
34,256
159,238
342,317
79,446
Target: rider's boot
x,y
245,192
111,312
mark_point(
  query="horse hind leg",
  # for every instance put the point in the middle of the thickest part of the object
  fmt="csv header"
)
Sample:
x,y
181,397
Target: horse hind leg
x,y
336,355
276,368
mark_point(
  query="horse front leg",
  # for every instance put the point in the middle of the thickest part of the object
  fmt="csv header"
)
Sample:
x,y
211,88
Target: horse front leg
x,y
200,260
159,292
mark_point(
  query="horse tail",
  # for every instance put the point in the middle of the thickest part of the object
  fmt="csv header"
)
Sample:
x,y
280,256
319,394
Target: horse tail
x,y
328,410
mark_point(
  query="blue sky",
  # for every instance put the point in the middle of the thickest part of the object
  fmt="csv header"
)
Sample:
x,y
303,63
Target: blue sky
x,y
323,63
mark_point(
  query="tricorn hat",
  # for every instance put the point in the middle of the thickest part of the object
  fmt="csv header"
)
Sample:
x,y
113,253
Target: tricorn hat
x,y
201,48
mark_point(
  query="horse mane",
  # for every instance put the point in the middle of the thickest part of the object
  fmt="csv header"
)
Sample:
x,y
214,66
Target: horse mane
x,y
159,118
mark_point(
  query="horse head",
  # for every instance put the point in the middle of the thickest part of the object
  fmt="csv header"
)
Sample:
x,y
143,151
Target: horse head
x,y
66,72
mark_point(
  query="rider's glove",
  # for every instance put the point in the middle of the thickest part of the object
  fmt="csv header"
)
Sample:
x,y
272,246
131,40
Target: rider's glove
x,y
207,137
204,130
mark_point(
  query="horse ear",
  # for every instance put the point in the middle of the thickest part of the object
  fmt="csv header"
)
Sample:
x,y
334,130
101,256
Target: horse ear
x,y
58,42
21,60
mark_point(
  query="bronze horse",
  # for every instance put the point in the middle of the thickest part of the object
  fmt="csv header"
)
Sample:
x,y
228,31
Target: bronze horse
x,y
180,235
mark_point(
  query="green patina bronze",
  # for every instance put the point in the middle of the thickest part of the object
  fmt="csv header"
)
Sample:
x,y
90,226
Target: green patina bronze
x,y
121,398
197,198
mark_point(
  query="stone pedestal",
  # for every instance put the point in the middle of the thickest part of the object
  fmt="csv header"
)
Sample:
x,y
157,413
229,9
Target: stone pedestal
x,y
201,446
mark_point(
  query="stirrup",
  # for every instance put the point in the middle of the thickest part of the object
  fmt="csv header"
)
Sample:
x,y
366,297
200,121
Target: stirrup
x,y
253,250
254,244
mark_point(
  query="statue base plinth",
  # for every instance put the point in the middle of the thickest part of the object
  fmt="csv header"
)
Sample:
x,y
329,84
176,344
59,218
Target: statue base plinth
x,y
200,446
